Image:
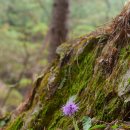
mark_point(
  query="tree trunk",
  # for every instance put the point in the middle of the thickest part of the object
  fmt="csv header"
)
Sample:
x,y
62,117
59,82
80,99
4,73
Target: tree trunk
x,y
95,68
58,31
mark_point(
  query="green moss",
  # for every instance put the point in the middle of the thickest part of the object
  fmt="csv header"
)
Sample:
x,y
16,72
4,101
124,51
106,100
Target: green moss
x,y
16,125
30,129
112,109
96,94
129,81
76,77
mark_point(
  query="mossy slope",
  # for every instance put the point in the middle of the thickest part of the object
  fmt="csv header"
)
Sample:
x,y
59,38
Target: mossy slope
x,y
93,68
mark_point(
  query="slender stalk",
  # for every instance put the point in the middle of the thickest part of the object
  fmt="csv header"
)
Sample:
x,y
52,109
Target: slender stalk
x,y
75,124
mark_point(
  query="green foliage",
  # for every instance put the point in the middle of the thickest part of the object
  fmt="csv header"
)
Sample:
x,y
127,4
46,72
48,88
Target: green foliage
x,y
91,14
75,124
16,125
98,127
129,81
115,126
25,82
82,13
41,27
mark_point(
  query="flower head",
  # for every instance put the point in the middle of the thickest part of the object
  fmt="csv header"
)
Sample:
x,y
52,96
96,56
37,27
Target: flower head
x,y
70,108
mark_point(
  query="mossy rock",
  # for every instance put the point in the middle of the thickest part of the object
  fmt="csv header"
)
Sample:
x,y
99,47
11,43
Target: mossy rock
x,y
94,68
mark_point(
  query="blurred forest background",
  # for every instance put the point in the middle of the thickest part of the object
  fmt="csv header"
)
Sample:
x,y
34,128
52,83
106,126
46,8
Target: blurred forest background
x,y
24,50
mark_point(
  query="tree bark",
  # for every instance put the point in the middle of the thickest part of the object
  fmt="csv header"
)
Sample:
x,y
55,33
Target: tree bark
x,y
58,30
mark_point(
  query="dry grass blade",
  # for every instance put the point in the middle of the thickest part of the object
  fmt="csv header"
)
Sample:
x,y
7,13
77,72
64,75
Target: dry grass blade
x,y
120,26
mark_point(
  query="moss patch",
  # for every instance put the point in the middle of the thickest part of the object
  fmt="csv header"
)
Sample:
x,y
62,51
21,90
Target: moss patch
x,y
16,125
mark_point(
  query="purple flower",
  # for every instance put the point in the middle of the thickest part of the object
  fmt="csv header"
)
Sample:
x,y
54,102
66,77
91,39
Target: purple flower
x,y
70,108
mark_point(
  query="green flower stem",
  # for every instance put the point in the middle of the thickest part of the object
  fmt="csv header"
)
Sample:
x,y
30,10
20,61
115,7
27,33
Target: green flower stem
x,y
75,124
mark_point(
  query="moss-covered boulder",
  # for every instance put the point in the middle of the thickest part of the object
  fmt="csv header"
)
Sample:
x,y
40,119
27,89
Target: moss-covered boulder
x,y
95,68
